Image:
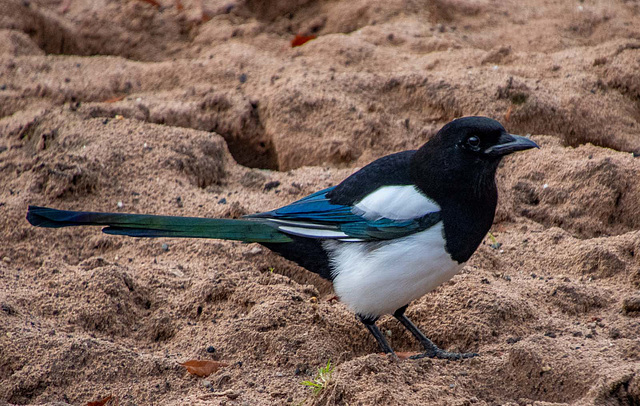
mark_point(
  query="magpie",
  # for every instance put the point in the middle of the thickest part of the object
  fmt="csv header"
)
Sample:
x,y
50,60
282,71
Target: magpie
x,y
385,236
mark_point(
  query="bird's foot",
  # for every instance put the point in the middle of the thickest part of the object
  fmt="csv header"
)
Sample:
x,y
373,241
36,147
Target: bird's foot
x,y
442,354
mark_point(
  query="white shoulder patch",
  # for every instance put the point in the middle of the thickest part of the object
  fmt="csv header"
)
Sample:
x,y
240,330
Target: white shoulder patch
x,y
395,203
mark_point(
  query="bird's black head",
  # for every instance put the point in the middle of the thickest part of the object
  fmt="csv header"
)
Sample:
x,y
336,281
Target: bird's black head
x,y
479,138
464,155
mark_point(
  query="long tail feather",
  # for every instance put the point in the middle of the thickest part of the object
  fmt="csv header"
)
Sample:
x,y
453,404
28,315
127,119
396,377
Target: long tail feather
x,y
145,225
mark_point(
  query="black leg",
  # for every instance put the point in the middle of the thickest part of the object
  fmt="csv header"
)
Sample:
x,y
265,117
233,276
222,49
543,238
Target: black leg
x,y
370,324
430,349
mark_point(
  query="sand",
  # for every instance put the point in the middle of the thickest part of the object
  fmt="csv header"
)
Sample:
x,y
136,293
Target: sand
x,y
121,105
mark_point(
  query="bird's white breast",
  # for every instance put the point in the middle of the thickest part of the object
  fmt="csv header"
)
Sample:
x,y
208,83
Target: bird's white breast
x,y
376,278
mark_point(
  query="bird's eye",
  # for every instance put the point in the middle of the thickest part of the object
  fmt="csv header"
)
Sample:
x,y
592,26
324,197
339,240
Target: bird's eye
x,y
473,142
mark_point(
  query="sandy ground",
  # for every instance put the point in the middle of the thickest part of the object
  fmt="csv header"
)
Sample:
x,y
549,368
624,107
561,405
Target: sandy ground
x,y
120,105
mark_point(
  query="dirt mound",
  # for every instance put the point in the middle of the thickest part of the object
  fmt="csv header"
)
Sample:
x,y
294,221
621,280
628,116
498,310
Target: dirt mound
x,y
123,105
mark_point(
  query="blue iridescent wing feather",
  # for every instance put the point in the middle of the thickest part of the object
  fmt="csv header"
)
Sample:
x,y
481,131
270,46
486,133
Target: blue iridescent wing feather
x,y
311,215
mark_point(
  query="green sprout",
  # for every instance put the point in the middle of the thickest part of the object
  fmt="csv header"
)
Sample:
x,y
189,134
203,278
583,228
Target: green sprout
x,y
322,379
494,243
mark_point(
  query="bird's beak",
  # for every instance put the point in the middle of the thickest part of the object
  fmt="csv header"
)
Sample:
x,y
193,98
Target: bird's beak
x,y
510,143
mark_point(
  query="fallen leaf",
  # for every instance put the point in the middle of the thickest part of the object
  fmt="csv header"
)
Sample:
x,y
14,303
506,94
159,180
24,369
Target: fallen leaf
x,y
507,115
203,368
301,39
101,402
406,355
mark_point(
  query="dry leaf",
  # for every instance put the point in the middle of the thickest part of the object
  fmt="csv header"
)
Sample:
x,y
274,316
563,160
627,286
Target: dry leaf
x,y
301,39
203,368
406,355
507,115
101,402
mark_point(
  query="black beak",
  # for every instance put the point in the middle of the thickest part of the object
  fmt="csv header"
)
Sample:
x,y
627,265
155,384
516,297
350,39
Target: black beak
x,y
508,144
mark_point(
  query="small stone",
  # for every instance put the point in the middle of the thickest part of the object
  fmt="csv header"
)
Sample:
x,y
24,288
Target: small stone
x,y
614,333
222,201
207,384
313,300
301,369
513,340
546,368
165,247
253,251
271,185
211,349
7,309
631,304
6,260
119,204
550,334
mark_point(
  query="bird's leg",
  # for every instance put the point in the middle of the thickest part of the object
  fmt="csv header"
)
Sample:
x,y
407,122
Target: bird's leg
x,y
370,323
430,349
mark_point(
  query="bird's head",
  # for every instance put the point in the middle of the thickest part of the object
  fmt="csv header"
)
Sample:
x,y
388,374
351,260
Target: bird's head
x,y
465,154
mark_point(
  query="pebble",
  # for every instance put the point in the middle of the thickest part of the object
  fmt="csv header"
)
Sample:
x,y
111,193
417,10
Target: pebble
x,y
253,251
301,369
206,384
165,247
271,185
513,340
211,349
6,260
629,305
614,333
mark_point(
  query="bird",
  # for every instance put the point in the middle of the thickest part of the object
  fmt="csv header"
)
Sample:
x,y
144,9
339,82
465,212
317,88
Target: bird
x,y
385,236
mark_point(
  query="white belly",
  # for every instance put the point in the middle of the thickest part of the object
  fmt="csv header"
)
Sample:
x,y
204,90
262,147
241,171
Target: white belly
x,y
378,278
